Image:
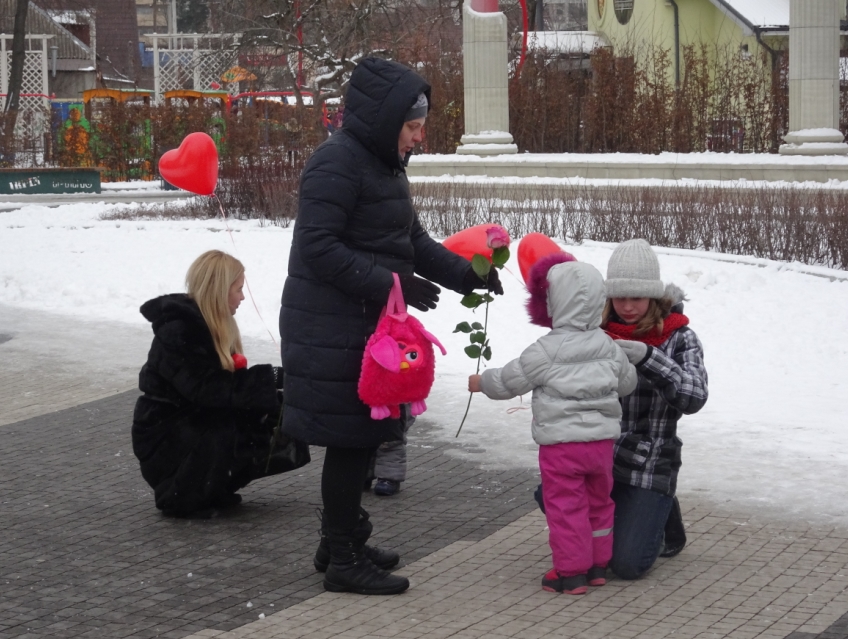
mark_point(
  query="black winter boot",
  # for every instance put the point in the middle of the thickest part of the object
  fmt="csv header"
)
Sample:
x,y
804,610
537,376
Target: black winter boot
x,y
351,571
674,536
385,559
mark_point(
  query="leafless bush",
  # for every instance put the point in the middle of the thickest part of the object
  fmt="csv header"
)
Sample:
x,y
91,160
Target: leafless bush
x,y
627,100
804,225
185,210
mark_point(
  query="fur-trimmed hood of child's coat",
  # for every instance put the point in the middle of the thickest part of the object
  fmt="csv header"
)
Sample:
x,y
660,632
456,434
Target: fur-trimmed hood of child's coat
x,y
676,295
575,297
537,286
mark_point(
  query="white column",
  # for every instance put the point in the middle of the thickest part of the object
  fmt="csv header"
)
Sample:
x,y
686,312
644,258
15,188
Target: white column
x,y
45,72
814,79
484,52
157,73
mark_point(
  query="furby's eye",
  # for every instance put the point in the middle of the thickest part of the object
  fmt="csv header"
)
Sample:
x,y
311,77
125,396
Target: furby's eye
x,y
411,356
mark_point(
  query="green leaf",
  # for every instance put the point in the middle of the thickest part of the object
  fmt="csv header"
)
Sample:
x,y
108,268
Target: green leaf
x,y
500,256
472,300
481,266
463,327
472,351
486,298
487,353
478,338
477,326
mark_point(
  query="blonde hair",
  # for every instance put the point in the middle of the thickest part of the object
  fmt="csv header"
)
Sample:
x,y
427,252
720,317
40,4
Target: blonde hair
x,y
654,319
208,283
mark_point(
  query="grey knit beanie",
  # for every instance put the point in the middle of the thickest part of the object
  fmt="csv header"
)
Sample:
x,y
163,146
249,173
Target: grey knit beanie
x,y
634,271
417,110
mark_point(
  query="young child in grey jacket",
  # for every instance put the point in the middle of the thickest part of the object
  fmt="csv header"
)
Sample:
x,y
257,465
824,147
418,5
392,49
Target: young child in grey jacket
x,y
576,373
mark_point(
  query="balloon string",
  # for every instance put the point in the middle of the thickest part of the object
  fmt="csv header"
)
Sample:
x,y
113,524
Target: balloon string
x,y
510,411
246,283
517,279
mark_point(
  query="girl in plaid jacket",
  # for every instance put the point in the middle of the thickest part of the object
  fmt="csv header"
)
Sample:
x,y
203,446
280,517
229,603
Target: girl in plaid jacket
x,y
646,318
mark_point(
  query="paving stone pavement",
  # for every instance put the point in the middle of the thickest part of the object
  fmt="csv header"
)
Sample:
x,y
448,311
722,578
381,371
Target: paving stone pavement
x,y
51,362
85,554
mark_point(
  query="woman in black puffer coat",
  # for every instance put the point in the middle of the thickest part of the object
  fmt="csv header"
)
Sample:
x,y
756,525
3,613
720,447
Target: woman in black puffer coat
x,y
203,427
356,226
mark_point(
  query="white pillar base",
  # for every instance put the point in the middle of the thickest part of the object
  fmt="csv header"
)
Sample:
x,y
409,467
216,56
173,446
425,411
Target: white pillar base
x,y
486,143
814,142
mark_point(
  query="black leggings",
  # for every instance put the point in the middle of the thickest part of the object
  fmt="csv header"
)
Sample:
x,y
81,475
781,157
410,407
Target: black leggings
x,y
345,471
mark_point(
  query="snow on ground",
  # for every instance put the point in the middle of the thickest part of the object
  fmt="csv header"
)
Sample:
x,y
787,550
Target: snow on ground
x,y
772,437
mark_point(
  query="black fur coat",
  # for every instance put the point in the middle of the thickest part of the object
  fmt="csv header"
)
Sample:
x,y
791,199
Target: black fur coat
x,y
198,428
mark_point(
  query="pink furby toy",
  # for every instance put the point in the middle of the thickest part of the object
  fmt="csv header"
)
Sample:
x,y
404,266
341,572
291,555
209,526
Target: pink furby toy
x,y
399,364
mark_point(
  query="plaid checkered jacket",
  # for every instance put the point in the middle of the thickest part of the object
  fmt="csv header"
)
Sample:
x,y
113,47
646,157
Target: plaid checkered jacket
x,y
672,382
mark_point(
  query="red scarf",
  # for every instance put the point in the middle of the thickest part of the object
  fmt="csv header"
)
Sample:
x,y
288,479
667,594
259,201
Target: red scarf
x,y
625,331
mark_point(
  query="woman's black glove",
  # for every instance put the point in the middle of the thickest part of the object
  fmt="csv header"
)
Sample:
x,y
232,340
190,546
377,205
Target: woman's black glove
x,y
472,281
418,292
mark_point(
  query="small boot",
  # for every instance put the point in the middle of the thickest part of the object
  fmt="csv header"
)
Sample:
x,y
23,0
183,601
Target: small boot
x,y
555,582
597,575
351,571
386,487
538,496
385,559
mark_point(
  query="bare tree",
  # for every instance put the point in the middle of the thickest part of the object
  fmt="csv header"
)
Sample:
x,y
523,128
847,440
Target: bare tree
x,y
16,79
322,40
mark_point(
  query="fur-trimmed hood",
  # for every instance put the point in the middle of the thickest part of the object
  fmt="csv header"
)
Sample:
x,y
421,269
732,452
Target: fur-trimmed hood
x,y
576,296
178,308
676,295
537,286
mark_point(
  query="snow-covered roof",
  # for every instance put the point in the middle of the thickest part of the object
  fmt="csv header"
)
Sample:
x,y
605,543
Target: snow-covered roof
x,y
573,42
760,14
40,21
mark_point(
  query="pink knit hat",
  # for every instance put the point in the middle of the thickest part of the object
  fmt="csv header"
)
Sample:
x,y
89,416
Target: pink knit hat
x,y
537,285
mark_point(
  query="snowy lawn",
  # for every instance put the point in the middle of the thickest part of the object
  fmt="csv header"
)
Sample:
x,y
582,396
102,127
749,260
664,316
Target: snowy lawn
x,y
773,435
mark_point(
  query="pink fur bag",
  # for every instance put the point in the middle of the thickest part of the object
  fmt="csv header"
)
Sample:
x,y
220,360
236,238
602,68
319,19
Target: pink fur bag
x,y
399,364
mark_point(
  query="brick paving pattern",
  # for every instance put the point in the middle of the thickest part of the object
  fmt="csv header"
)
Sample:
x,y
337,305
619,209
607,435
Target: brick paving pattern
x,y
84,553
736,579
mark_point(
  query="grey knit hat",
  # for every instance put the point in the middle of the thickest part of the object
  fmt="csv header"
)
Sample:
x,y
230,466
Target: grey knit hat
x,y
417,110
634,271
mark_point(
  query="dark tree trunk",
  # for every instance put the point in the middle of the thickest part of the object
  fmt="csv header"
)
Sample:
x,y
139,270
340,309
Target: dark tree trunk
x,y
16,77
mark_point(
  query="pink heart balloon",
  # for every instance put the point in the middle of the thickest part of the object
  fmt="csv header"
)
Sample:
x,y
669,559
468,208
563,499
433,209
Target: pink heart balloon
x,y
470,241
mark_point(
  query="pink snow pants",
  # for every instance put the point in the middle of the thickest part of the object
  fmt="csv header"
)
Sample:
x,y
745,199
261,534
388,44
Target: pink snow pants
x,y
576,486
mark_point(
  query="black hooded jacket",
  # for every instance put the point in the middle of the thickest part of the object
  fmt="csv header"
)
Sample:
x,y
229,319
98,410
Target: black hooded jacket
x,y
355,226
198,425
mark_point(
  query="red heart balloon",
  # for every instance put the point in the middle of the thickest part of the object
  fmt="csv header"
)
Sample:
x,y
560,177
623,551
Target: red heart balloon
x,y
531,248
193,166
470,241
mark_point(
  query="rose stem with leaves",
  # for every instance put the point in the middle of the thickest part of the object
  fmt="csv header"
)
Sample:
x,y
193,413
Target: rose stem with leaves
x,y
480,340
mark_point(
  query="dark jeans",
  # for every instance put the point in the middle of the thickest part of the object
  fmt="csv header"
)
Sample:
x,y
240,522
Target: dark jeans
x,y
640,518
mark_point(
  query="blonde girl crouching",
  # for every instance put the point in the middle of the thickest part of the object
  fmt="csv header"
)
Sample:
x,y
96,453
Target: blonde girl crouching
x,y
202,428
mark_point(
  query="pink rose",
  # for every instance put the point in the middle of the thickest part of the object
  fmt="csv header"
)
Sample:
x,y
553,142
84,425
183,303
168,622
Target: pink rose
x,y
497,237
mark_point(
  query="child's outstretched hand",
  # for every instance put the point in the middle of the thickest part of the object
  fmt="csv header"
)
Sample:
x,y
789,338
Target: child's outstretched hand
x,y
474,383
